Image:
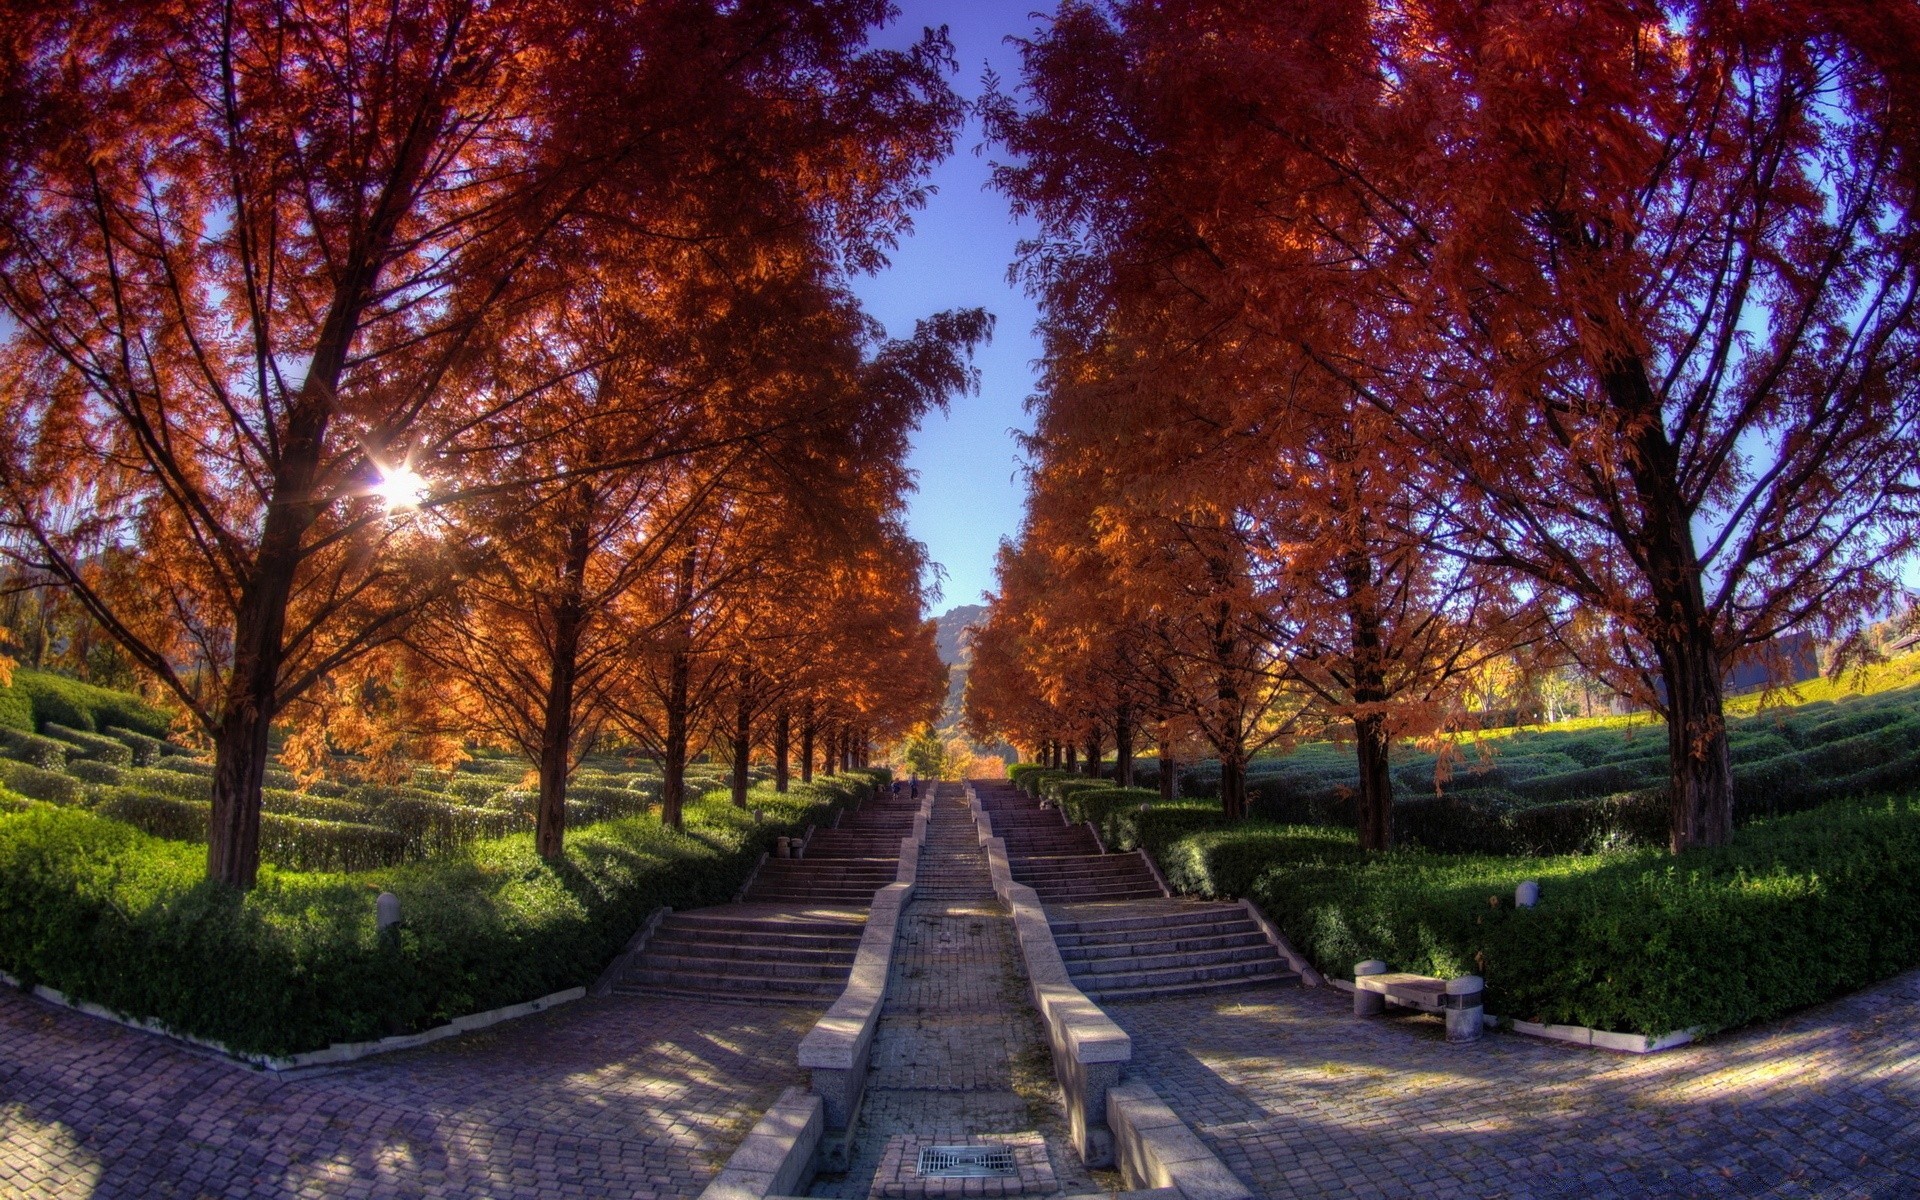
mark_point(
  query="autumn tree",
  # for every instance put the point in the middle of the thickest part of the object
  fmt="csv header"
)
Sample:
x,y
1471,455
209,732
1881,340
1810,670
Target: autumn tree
x,y
247,248
1636,281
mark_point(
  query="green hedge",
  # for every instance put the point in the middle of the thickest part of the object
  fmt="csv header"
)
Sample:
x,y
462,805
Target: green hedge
x,y
146,750
34,749
1796,910
89,745
38,697
38,784
109,914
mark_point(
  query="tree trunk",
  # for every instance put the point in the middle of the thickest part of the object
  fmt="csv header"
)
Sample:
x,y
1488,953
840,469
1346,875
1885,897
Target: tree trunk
x,y
1123,746
1169,776
1375,798
742,748
1233,785
556,725
830,749
1093,753
1698,758
782,747
1680,628
1072,762
673,757
807,734
240,745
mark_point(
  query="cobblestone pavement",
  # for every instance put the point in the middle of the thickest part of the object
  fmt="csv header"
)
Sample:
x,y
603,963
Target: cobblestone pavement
x,y
628,1097
1301,1099
959,1050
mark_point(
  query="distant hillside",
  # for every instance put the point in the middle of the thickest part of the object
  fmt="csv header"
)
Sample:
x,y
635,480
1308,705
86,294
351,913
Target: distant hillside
x,y
950,628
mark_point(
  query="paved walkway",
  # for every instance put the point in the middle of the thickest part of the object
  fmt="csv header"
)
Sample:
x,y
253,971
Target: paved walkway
x,y
626,1097
959,1050
1299,1099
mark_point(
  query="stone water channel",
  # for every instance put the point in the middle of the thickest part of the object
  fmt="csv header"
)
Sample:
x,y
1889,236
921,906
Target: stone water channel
x,y
959,1054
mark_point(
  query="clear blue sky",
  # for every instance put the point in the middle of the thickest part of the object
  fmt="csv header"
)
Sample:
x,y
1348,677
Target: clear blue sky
x,y
970,485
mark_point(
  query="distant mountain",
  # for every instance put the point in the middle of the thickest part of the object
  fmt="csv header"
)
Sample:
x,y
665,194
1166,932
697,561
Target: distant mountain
x,y
950,630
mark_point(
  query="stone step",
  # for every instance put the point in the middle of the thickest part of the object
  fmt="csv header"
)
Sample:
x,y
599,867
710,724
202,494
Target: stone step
x,y
1113,995
750,991
1180,914
718,920
1100,968
1144,942
683,947
1165,978
1092,896
1067,866
802,895
667,967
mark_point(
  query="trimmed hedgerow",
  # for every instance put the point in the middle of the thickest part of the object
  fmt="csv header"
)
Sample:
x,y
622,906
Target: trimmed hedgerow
x,y
34,749
38,784
109,914
1796,910
63,701
146,750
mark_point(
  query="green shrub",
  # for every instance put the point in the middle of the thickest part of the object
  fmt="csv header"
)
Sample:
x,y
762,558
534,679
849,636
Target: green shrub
x,y
170,782
300,844
63,701
95,746
34,750
88,771
1603,780
155,813
108,914
1093,804
38,784
1225,862
146,750
1794,911
186,764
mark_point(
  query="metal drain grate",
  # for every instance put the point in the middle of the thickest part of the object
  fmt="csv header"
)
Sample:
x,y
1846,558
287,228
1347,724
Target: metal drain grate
x,y
965,1162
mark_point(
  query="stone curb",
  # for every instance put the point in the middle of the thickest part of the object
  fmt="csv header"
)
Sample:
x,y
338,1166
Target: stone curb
x,y
635,947
1155,1149
1580,1035
836,1049
337,1053
777,1157
1155,868
1089,1049
1309,975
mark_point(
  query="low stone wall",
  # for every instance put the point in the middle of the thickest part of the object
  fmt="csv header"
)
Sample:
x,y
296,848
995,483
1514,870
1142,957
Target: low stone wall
x,y
1154,1149
836,1049
777,1157
1089,1049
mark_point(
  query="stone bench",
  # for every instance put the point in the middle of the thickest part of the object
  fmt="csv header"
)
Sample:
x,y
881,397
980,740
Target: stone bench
x,y
1458,1000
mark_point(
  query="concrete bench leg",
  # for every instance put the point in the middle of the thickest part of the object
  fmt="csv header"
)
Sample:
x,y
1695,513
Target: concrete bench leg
x,y
1366,1003
1466,1015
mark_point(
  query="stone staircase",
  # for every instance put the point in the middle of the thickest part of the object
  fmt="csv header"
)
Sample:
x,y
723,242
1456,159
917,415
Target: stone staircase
x,y
1061,862
1164,947
792,936
843,865
749,952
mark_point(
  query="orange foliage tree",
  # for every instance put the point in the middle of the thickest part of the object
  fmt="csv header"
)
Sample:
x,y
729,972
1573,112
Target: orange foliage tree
x,y
1633,285
249,251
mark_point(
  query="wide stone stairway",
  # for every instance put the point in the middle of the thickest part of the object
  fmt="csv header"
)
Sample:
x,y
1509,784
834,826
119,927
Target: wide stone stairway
x,y
794,934
959,1057
1122,938
1063,863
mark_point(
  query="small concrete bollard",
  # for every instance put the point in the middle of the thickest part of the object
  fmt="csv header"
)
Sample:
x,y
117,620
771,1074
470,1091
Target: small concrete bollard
x,y
783,847
1365,1003
1527,894
759,815
386,917
1466,1015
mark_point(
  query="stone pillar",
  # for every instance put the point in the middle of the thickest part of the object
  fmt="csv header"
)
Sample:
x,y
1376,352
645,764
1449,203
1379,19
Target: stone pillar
x,y
1365,1003
1466,1015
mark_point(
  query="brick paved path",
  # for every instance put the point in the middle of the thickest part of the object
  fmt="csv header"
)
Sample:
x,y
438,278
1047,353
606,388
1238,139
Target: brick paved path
x,y
627,1097
959,1050
1300,1099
